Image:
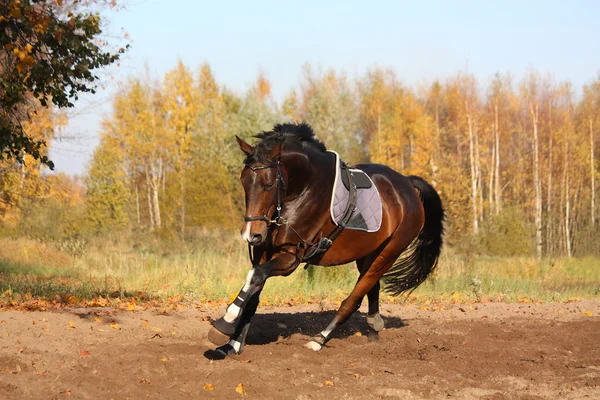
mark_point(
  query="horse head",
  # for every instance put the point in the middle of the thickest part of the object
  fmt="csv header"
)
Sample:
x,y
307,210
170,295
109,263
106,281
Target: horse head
x,y
276,171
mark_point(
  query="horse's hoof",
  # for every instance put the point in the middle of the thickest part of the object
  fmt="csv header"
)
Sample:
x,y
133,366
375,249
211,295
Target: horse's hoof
x,y
217,337
373,336
312,345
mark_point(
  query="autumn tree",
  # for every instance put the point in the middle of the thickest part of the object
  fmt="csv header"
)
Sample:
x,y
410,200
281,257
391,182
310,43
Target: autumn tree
x,y
49,53
329,105
108,192
181,101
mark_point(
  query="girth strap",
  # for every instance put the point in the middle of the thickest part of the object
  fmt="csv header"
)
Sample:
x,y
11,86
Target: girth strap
x,y
324,243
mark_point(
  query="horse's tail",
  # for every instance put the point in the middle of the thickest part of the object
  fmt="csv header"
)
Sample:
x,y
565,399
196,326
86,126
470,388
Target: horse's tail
x,y
421,257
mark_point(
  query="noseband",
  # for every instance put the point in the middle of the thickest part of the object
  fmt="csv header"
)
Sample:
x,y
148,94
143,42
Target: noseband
x,y
279,185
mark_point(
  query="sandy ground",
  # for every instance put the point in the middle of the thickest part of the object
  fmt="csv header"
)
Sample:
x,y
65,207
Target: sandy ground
x,y
447,351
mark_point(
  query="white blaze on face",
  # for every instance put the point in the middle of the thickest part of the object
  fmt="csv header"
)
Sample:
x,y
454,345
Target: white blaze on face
x,y
246,233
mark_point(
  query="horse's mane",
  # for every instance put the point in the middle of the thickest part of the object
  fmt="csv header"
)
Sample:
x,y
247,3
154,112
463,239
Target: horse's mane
x,y
301,133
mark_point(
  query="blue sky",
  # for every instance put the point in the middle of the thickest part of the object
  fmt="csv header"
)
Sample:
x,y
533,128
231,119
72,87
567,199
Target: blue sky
x,y
420,40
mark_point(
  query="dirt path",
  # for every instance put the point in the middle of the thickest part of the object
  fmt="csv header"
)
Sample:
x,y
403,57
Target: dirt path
x,y
484,351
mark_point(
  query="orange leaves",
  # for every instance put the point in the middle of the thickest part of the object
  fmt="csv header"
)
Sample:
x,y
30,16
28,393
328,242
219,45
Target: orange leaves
x,y
240,389
263,87
85,353
15,13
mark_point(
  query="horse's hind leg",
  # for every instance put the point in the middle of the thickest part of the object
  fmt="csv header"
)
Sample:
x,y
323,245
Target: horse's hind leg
x,y
374,319
347,308
366,282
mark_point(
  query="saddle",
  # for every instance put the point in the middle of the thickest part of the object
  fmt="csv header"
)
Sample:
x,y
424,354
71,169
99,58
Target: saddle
x,y
355,204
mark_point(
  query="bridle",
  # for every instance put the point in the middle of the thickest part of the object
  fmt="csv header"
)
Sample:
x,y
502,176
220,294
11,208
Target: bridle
x,y
279,186
310,249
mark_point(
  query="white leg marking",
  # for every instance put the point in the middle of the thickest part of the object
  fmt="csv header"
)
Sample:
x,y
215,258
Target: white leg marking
x,y
326,332
246,233
236,345
248,280
375,322
313,345
232,313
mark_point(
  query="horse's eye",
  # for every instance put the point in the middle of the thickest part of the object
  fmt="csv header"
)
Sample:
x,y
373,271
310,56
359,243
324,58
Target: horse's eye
x,y
268,187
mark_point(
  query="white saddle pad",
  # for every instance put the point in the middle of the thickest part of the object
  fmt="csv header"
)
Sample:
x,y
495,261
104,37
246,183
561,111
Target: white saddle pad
x,y
368,214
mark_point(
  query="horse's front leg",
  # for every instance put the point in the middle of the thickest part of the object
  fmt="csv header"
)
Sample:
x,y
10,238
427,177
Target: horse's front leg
x,y
238,339
243,307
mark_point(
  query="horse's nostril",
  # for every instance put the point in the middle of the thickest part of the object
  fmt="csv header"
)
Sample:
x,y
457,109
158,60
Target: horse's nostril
x,y
256,239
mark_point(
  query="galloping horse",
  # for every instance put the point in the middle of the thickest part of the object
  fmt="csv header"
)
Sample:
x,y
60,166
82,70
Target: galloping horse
x,y
288,178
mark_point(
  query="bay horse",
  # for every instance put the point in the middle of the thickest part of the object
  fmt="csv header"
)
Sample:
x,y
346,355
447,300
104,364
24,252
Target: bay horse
x,y
288,177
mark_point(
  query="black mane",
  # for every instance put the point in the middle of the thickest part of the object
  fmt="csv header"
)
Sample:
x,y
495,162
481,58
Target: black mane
x,y
301,133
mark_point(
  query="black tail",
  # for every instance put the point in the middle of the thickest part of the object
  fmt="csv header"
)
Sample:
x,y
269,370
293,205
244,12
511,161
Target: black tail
x,y
421,257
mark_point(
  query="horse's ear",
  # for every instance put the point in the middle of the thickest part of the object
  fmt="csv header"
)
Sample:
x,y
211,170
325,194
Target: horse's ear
x,y
246,148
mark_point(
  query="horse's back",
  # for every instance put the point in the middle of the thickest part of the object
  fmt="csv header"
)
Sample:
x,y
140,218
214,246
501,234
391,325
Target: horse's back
x,y
397,193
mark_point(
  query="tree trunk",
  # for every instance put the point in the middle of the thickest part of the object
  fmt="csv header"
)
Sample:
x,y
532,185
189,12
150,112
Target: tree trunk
x,y
549,244
137,204
536,177
435,153
473,174
153,179
498,186
491,182
568,217
479,177
182,190
156,181
593,179
549,219
149,197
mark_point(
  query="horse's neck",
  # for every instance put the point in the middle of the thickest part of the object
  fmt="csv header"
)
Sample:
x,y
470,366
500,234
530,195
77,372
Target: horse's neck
x,y
314,201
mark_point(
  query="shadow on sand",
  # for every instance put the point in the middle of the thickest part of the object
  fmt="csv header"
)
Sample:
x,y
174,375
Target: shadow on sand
x,y
269,327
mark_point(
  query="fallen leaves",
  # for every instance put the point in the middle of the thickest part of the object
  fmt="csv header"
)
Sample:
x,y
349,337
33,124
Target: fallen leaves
x,y
85,353
71,325
208,386
588,313
240,389
329,383
115,326
164,359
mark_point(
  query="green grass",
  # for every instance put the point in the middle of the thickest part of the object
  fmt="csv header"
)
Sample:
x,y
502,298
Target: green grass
x,y
216,268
